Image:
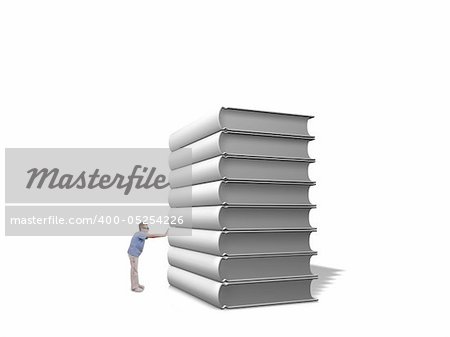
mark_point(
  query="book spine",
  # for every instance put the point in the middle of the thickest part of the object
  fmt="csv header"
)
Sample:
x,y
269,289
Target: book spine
x,y
232,193
269,122
242,218
241,268
239,169
234,243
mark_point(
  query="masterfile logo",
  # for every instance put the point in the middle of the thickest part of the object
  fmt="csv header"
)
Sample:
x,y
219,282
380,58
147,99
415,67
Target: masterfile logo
x,y
87,175
54,179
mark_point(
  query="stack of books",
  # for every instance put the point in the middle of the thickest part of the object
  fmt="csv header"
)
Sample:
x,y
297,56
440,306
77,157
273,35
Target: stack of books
x,y
243,177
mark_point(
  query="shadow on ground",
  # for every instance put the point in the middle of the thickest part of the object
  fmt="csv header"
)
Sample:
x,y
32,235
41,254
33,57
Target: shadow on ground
x,y
327,276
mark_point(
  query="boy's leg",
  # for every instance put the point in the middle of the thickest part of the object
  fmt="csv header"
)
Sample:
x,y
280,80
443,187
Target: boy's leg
x,y
134,272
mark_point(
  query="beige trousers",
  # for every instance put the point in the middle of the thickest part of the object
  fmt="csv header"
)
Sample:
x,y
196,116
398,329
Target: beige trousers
x,y
134,272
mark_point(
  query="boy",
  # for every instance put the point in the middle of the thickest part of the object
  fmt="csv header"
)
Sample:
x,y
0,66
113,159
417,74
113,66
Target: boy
x,y
135,250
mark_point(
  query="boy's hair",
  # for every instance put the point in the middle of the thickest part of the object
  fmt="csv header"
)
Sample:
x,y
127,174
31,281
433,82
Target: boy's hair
x,y
141,225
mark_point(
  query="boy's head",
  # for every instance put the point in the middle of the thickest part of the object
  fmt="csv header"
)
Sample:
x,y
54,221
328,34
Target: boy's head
x,y
143,227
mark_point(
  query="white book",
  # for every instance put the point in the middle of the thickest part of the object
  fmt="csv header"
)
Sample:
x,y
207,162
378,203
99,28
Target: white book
x,y
241,268
231,243
243,218
240,193
241,144
240,119
242,294
238,168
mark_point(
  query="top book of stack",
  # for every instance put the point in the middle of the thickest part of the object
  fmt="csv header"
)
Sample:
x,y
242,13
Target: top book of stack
x,y
243,121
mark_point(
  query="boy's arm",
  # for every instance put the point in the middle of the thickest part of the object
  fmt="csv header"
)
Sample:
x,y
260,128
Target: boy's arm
x,y
157,235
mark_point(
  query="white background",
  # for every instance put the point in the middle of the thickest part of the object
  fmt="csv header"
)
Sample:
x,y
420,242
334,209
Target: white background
x,y
128,73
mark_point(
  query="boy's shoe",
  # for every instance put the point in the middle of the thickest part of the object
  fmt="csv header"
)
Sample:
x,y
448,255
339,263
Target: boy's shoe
x,y
137,290
141,286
